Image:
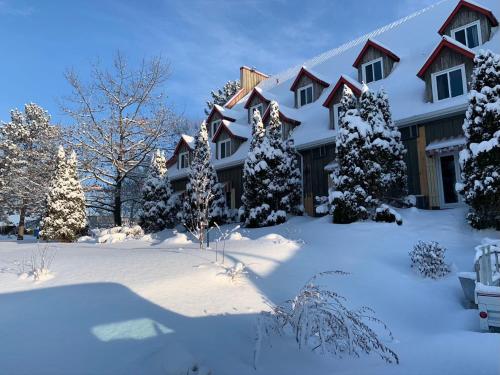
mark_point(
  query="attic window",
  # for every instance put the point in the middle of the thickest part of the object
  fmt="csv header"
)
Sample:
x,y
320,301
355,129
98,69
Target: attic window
x,y
305,95
336,116
214,126
224,148
372,71
183,160
469,35
449,83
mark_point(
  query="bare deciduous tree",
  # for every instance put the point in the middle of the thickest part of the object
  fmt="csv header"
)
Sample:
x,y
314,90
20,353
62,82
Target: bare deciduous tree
x,y
120,118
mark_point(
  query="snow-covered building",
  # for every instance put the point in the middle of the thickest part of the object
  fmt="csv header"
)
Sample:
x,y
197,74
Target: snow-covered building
x,y
423,61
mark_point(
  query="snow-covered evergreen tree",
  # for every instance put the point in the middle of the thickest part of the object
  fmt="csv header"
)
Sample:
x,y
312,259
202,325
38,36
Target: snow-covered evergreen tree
x,y
28,146
292,201
391,157
65,216
256,176
221,96
204,200
156,192
349,197
480,160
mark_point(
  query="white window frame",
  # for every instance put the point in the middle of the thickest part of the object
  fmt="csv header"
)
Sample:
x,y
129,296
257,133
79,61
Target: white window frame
x,y
212,127
181,155
304,88
336,119
479,36
228,147
363,69
447,71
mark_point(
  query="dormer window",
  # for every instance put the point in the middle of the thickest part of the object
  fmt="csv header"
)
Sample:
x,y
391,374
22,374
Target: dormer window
x,y
224,148
449,83
214,125
183,160
469,35
259,107
372,70
336,116
305,95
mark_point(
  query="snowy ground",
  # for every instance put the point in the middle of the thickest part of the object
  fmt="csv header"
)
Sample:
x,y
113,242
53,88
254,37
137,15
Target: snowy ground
x,y
160,307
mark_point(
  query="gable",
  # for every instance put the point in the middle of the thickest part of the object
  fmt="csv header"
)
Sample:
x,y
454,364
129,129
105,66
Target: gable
x,y
466,16
371,54
303,81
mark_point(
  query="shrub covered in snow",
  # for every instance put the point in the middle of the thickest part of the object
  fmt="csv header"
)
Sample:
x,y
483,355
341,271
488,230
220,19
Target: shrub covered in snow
x,y
236,271
428,258
387,214
319,319
119,234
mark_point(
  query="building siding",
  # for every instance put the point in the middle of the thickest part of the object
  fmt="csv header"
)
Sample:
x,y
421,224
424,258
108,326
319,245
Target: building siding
x,y
233,179
444,128
315,178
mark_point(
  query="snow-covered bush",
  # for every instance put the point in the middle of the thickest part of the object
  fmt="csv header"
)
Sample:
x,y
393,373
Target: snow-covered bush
x,y
388,215
428,258
235,272
322,205
37,266
319,319
119,234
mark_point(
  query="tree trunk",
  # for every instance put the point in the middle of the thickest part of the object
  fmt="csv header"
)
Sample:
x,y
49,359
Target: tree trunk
x,y
117,212
20,230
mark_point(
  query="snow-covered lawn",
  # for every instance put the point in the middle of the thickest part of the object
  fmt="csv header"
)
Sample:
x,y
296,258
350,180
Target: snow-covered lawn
x,y
161,307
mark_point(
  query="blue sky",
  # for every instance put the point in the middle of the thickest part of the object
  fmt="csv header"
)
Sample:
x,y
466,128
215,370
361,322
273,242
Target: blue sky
x,y
205,41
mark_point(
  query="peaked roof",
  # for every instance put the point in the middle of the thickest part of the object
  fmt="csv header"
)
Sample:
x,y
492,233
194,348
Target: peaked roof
x,y
283,116
308,73
255,92
225,113
234,131
446,42
377,45
472,6
355,86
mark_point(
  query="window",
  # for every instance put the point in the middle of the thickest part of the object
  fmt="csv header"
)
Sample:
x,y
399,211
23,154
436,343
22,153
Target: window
x,y
224,148
469,35
183,160
336,116
214,126
320,152
449,83
372,71
305,95
258,107
409,132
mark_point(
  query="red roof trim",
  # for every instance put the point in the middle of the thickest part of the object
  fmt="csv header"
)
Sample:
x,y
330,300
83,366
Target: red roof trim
x,y
212,112
255,92
371,43
474,7
181,141
282,117
342,81
231,134
303,71
443,44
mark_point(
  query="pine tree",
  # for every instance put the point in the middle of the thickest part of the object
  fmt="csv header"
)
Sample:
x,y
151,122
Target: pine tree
x,y
292,201
480,160
392,160
156,192
204,197
255,174
28,146
65,217
223,95
349,197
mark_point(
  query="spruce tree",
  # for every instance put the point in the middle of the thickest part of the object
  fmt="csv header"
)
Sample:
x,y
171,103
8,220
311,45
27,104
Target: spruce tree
x,y
292,201
392,160
65,217
221,96
480,160
349,197
156,192
218,212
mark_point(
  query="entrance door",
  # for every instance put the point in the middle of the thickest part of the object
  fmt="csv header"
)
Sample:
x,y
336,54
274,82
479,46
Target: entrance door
x,y
448,168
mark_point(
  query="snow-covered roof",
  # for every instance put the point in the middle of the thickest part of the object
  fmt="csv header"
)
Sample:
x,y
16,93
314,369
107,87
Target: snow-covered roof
x,y
413,38
189,140
377,45
354,85
311,74
473,6
226,112
234,130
